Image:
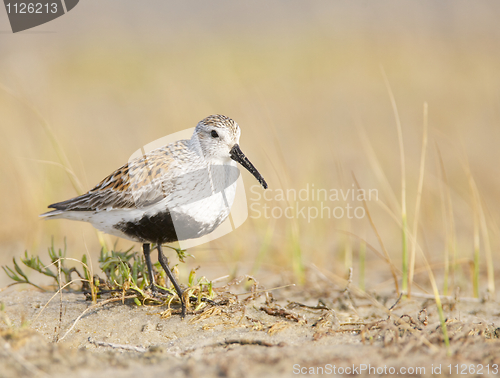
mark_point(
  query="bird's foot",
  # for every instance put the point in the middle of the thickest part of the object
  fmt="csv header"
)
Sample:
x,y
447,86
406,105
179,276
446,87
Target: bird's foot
x,y
158,291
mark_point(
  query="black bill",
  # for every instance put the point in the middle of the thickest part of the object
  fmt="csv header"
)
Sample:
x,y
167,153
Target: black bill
x,y
238,156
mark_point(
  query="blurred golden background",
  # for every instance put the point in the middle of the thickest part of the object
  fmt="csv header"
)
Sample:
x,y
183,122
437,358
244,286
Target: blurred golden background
x,y
305,81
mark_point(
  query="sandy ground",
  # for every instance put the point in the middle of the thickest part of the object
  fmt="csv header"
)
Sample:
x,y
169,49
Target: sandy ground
x,y
247,336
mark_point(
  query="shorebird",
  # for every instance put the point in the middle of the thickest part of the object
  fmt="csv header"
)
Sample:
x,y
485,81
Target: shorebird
x,y
183,190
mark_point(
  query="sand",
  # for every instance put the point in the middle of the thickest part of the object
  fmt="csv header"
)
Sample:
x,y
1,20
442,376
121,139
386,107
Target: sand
x,y
246,337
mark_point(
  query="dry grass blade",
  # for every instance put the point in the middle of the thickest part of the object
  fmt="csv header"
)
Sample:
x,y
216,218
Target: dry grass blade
x,y
376,167
487,248
417,202
55,294
265,245
403,183
386,254
450,225
60,165
133,348
439,306
410,236
375,250
93,307
480,222
64,161
53,139
297,264
476,221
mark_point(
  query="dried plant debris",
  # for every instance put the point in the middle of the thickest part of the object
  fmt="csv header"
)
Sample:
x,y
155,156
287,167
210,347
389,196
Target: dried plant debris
x,y
278,327
407,331
283,313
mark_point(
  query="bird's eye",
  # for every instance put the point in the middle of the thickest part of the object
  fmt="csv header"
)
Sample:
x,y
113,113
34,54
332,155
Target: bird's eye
x,y
214,134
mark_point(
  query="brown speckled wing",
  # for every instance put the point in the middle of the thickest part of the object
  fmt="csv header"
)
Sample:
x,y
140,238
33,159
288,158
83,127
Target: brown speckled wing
x,y
139,183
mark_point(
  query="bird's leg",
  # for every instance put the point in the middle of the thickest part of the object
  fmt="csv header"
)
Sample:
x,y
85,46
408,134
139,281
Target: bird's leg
x,y
164,263
152,284
146,248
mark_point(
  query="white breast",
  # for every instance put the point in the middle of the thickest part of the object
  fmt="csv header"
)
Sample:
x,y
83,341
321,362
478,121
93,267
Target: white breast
x,y
203,197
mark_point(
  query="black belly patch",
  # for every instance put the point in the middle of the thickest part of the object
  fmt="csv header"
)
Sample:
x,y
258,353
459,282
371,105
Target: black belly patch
x,y
162,228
